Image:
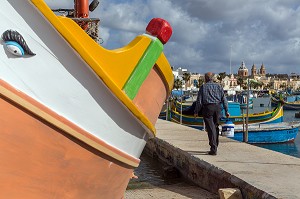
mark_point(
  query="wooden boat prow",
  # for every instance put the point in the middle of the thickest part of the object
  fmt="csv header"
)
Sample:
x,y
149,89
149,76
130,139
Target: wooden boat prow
x,y
74,118
114,67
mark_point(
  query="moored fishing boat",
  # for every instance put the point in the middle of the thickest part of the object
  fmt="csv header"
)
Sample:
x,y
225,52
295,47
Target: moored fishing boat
x,y
268,133
188,107
75,117
274,116
287,105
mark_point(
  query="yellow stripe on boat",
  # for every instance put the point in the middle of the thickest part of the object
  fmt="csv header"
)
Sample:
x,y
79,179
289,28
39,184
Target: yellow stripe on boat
x,y
118,64
113,71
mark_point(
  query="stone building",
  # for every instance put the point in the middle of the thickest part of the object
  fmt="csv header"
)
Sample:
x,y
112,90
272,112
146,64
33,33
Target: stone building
x,y
257,74
243,71
230,83
253,71
262,70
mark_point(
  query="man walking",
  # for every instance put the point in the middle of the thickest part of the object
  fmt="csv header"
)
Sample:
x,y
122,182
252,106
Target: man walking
x,y
210,97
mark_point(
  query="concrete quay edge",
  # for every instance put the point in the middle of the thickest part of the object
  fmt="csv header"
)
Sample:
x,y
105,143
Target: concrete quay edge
x,y
257,172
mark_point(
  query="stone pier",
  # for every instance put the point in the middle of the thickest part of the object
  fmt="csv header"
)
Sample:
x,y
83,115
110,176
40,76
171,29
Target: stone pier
x,y
256,172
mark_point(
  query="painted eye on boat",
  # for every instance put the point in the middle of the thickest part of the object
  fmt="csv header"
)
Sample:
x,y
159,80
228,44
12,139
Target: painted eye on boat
x,y
14,48
15,43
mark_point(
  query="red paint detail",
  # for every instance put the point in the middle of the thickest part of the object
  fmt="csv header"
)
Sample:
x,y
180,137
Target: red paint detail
x,y
160,28
81,8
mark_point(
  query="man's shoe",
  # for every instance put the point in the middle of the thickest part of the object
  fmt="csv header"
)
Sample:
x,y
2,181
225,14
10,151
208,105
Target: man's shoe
x,y
212,153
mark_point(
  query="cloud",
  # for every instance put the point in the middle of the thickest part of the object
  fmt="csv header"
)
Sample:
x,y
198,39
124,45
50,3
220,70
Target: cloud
x,y
54,4
123,16
187,29
257,32
210,33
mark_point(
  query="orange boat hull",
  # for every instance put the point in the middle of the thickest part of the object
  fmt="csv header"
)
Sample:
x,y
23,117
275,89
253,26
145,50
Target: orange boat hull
x,y
39,160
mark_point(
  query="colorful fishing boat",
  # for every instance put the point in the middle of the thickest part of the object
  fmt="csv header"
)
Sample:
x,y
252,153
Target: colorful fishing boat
x,y
274,116
287,105
188,107
75,117
268,133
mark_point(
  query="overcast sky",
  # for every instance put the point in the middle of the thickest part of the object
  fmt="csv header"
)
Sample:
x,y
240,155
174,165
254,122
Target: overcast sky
x,y
207,34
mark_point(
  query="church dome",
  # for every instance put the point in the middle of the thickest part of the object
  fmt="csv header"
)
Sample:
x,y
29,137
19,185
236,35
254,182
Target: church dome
x,y
243,67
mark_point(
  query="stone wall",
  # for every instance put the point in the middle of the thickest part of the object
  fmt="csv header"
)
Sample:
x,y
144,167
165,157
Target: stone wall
x,y
199,172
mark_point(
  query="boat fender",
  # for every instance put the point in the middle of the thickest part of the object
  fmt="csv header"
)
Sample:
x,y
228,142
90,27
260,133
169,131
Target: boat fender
x,y
228,129
15,43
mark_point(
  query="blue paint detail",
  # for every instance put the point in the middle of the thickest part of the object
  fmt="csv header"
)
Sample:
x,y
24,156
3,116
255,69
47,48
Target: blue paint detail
x,y
233,109
241,98
271,136
13,43
280,119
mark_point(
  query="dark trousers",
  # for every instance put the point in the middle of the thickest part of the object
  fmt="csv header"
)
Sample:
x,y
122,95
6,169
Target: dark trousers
x,y
211,116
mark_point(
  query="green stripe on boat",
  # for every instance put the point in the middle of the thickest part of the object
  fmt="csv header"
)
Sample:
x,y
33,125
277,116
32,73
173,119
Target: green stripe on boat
x,y
143,68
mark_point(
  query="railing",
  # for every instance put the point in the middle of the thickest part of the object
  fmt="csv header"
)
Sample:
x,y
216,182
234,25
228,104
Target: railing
x,y
90,26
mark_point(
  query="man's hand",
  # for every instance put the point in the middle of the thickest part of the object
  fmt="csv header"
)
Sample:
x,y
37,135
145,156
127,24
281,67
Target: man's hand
x,y
227,115
195,115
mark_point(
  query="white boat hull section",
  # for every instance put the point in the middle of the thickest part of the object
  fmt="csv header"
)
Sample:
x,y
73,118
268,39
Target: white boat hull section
x,y
58,78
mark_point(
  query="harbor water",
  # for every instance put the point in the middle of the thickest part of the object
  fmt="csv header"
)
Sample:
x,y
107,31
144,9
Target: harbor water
x,y
291,148
151,173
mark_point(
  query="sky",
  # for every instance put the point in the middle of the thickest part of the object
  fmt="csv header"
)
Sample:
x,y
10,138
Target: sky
x,y
209,35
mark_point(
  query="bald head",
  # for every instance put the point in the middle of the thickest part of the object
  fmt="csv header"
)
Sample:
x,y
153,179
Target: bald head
x,y
208,76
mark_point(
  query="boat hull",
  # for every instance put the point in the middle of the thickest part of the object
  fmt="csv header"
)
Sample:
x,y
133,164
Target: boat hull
x,y
274,116
287,105
74,121
269,137
244,106
273,134
41,161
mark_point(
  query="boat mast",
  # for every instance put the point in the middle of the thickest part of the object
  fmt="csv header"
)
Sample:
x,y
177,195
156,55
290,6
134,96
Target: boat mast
x,y
81,8
80,14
